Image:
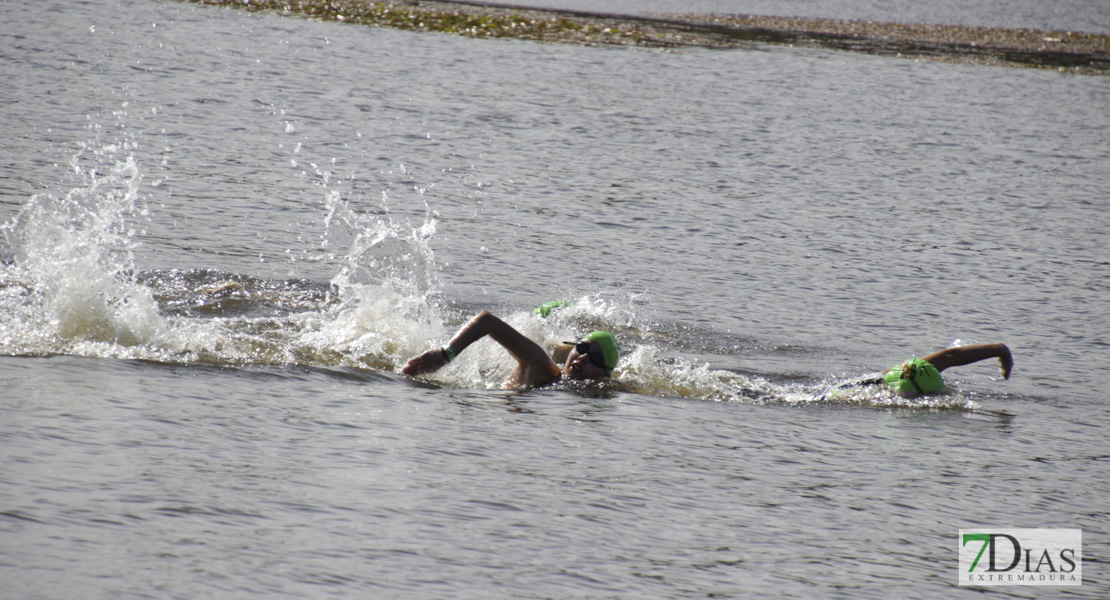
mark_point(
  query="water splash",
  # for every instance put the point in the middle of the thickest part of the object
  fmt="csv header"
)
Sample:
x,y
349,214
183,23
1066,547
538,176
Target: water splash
x,y
72,285
73,278
387,285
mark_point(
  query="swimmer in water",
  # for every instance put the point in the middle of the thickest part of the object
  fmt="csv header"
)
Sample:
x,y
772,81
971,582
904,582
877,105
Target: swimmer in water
x,y
592,357
922,375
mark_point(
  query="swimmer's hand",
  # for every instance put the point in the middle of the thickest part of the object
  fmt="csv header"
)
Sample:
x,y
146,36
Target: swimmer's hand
x,y
1007,363
430,361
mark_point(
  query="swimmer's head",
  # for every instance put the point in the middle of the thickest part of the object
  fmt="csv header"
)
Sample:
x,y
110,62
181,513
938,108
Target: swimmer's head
x,y
609,347
915,376
594,357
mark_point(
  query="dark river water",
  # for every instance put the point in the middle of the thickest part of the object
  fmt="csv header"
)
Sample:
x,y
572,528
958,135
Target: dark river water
x,y
224,234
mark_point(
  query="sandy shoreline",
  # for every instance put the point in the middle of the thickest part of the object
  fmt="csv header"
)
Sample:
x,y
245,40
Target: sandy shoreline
x,y
1082,53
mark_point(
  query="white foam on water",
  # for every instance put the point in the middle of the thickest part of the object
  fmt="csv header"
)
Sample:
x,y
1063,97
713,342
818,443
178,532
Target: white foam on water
x,y
73,278
72,286
387,286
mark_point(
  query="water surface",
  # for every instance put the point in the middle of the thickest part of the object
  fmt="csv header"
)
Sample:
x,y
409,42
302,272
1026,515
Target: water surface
x,y
751,224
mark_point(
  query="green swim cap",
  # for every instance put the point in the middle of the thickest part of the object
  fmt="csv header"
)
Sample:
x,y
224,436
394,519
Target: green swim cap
x,y
545,309
915,376
609,347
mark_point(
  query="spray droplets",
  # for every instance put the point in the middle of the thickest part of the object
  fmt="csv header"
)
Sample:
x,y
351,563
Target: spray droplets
x,y
74,255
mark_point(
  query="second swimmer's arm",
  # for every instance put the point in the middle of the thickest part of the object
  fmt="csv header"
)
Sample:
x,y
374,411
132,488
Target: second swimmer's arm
x,y
965,355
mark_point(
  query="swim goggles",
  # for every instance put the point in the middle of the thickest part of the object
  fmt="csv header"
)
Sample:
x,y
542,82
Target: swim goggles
x,y
597,357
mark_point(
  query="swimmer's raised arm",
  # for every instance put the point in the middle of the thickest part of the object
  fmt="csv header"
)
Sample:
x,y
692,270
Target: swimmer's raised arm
x,y
965,355
922,375
534,367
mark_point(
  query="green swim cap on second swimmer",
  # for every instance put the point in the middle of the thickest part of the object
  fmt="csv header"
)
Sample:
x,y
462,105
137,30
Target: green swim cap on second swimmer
x,y
915,376
609,347
545,309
